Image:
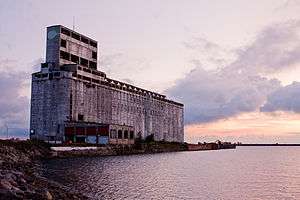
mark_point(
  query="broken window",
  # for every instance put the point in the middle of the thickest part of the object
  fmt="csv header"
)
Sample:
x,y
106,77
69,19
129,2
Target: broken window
x,y
75,36
119,134
64,55
125,134
80,117
63,43
94,54
74,59
131,134
92,65
65,31
93,44
84,62
84,40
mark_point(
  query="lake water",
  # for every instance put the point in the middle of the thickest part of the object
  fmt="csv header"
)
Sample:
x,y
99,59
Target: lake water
x,y
242,173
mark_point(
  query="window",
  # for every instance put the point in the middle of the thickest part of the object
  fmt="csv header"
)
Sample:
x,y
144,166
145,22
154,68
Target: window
x,y
64,55
80,117
131,135
65,31
119,134
125,134
75,36
93,44
113,133
74,59
84,40
92,65
84,62
63,43
94,55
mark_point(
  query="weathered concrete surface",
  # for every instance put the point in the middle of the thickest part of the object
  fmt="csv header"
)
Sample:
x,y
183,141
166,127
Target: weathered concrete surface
x,y
64,89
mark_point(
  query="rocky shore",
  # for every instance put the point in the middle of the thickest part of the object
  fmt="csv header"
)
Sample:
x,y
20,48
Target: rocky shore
x,y
19,177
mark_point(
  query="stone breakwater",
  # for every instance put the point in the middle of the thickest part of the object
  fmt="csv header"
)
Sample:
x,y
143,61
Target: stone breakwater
x,y
19,177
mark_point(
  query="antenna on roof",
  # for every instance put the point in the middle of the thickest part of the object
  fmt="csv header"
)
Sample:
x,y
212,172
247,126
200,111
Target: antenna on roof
x,y
73,23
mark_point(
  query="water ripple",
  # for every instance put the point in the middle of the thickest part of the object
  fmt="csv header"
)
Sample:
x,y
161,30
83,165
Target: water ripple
x,y
245,173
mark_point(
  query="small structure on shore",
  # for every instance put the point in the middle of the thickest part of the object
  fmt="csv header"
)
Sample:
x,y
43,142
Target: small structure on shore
x,y
211,146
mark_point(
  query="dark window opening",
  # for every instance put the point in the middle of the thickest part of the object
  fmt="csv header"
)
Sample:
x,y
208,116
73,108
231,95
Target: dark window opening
x,y
44,75
85,40
63,43
65,31
80,117
95,81
56,73
87,70
125,134
84,62
64,55
86,78
76,36
131,134
50,76
93,44
74,58
94,55
80,139
44,65
92,65
119,134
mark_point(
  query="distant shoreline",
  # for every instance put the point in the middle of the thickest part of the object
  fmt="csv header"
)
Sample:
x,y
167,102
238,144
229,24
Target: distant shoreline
x,y
268,144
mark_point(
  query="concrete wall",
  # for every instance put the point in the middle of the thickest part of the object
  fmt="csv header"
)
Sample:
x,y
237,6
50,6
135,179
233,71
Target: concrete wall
x,y
147,115
58,100
49,106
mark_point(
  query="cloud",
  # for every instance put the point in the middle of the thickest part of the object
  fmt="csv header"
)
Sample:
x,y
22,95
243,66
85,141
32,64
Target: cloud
x,y
284,99
275,49
209,53
14,108
14,98
240,86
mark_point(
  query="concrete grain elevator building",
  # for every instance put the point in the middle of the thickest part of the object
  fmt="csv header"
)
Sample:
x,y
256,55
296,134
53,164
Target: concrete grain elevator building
x,y
72,101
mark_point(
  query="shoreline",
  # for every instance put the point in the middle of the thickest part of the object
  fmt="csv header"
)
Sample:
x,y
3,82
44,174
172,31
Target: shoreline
x,y
20,164
19,173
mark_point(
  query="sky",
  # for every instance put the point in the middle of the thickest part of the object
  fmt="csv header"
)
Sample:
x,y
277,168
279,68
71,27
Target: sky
x,y
234,64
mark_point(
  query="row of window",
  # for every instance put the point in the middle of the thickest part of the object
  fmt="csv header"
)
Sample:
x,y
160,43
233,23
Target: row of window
x,y
50,75
114,134
63,43
76,59
78,37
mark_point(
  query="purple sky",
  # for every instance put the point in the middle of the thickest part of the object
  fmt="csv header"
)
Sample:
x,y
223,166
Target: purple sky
x,y
223,59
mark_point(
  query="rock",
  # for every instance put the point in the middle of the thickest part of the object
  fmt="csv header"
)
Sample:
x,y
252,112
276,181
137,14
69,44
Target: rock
x,y
48,195
5,184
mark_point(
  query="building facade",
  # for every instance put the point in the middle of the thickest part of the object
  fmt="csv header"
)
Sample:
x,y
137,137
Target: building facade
x,y
73,101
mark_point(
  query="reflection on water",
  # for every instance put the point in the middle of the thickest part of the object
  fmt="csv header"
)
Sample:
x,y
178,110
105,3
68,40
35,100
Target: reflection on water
x,y
243,173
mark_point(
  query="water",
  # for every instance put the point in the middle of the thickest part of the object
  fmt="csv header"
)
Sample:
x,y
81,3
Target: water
x,y
243,173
